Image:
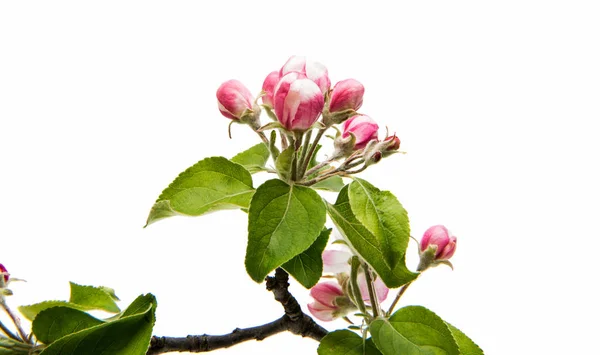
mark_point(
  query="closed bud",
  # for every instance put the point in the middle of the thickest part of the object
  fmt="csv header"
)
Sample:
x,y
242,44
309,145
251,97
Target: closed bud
x,y
4,273
392,143
437,247
269,87
234,99
314,71
298,102
364,129
346,95
330,301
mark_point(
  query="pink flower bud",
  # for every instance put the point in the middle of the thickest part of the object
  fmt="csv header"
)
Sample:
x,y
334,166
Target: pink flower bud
x,y
298,102
234,99
269,87
315,71
363,127
442,239
346,95
336,261
324,307
380,289
4,273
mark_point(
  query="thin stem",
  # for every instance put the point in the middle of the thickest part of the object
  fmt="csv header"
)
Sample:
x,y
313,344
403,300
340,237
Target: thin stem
x,y
263,137
16,321
354,286
311,152
372,292
317,167
305,146
400,293
8,332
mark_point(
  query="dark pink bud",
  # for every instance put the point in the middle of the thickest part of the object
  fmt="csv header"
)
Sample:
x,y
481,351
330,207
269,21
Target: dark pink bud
x,y
363,127
393,143
346,95
269,87
315,71
4,273
442,239
234,99
297,101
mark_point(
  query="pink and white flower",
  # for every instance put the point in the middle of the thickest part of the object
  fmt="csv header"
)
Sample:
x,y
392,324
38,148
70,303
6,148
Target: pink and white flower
x,y
314,71
298,102
363,127
234,99
346,95
439,237
324,306
269,87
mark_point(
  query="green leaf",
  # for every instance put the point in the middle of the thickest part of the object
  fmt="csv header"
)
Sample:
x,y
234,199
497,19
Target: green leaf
x,y
92,297
466,346
32,310
253,159
307,267
345,342
413,330
382,214
334,183
211,184
284,161
365,244
283,221
54,323
128,335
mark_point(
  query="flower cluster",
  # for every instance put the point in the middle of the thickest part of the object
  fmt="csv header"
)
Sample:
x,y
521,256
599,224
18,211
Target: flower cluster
x,y
297,95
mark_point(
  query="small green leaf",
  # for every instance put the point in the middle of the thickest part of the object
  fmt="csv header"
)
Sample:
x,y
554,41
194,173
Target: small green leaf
x,y
211,184
253,159
365,244
32,310
382,214
466,346
54,323
93,298
129,335
283,221
345,342
307,267
413,330
334,183
283,164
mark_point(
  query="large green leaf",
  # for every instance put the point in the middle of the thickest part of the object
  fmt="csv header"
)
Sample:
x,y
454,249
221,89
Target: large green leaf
x,y
466,346
129,335
346,342
307,267
382,214
83,298
209,185
253,159
413,330
94,298
365,244
57,322
283,221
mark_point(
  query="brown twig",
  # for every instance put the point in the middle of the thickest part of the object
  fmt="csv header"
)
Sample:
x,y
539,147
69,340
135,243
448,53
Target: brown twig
x,y
294,320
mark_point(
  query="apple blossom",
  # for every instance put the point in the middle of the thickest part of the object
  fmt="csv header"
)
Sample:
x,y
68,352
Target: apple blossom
x,y
346,95
298,102
325,295
269,87
234,99
439,237
363,127
314,71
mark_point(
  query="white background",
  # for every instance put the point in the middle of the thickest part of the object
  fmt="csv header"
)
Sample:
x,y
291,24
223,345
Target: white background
x,y
103,104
